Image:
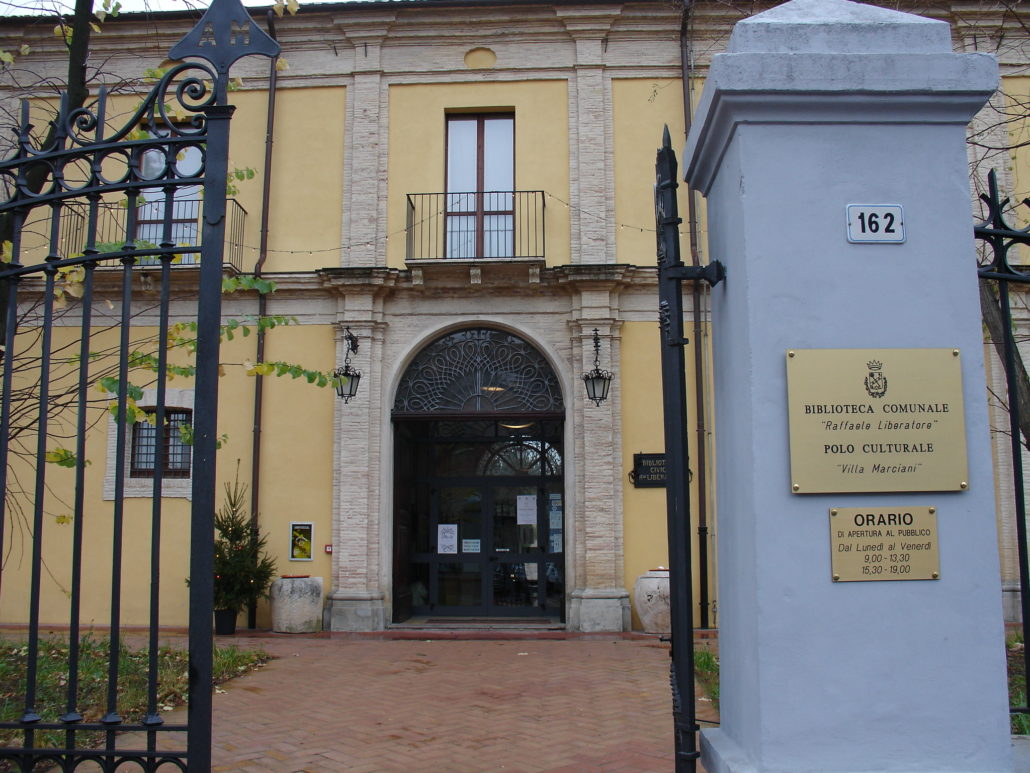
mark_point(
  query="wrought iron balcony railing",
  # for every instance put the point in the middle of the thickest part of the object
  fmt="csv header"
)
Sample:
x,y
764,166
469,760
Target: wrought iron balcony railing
x,y
475,225
186,228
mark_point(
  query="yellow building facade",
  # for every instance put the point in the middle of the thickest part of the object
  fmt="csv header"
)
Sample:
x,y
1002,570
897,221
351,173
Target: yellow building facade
x,y
466,188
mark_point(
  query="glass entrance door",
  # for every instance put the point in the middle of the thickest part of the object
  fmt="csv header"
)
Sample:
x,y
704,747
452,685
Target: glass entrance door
x,y
498,549
526,547
487,517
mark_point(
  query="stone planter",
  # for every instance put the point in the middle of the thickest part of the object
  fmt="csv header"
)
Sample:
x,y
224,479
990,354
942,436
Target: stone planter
x,y
296,604
651,598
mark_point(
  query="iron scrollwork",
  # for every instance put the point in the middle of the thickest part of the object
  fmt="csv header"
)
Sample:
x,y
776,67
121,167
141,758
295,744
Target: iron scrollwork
x,y
86,158
479,370
999,235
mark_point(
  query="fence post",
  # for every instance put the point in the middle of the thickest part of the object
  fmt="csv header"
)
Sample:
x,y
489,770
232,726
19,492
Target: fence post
x,y
829,143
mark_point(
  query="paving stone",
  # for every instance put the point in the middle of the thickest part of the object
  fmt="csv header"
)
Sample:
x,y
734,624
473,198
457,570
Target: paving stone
x,y
449,706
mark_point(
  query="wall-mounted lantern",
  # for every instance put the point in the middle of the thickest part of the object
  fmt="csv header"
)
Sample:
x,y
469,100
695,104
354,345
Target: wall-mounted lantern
x,y
347,378
597,381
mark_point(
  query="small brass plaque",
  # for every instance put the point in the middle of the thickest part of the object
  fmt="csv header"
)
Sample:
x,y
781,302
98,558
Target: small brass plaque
x,y
892,543
876,420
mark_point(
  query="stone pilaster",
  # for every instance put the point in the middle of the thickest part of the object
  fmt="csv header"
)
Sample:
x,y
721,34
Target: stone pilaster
x,y
365,162
592,186
599,600
356,601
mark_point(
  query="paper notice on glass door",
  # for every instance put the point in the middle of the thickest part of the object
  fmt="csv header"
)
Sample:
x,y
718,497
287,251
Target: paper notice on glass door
x,y
447,538
554,511
525,509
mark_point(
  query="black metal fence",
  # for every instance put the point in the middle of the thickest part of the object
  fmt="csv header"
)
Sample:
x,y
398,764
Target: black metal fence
x,y
473,225
999,267
672,272
83,350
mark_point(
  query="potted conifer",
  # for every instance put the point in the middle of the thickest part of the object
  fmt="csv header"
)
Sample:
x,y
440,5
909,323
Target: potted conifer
x,y
243,571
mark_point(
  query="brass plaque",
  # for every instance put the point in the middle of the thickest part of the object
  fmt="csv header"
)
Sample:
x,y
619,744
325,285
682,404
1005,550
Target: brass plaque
x,y
884,543
876,420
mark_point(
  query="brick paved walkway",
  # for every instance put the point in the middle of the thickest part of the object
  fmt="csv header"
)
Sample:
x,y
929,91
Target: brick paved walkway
x,y
402,706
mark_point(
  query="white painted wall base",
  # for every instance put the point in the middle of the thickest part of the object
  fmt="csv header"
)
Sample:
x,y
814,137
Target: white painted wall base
x,y
722,755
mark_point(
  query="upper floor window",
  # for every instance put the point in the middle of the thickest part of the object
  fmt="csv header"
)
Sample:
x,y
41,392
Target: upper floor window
x,y
480,186
184,207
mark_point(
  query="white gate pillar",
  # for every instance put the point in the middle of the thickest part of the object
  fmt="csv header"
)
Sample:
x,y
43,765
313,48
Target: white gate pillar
x,y
816,105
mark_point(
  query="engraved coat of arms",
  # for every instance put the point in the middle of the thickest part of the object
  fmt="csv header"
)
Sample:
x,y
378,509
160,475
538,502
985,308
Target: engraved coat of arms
x,y
875,382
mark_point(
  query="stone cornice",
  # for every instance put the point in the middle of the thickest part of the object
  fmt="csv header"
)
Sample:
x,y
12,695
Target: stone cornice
x,y
451,276
130,43
587,21
368,278
371,27
596,274
814,88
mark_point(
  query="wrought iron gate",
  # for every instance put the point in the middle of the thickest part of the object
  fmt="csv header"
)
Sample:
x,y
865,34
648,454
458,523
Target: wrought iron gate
x,y
671,273
997,271
75,322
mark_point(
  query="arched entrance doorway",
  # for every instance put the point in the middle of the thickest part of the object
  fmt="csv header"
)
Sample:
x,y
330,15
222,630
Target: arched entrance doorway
x,y
478,481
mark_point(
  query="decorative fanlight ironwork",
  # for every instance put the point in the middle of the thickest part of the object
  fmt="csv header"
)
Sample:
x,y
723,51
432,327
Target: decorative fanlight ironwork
x,y
347,377
597,381
479,370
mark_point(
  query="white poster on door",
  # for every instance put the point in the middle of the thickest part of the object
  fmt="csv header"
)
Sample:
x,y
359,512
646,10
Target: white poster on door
x,y
525,509
447,538
554,511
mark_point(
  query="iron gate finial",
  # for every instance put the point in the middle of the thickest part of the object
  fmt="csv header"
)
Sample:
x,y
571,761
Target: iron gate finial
x,y
224,34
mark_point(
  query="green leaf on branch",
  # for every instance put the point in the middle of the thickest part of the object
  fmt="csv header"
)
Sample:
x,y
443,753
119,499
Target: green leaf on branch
x,y
111,385
231,284
317,377
62,457
148,361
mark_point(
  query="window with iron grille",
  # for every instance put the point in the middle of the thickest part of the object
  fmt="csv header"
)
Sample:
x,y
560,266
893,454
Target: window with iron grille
x,y
147,438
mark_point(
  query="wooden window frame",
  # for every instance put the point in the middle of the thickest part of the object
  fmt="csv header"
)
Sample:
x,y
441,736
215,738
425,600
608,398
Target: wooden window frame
x,y
481,212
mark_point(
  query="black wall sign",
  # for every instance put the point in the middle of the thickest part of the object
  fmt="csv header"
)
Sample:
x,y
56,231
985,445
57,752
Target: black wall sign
x,y
648,471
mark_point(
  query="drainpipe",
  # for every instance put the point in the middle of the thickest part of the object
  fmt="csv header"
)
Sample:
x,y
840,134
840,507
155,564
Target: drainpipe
x,y
259,381
699,377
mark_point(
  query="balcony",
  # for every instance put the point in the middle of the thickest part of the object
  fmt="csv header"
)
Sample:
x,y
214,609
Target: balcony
x,y
186,228
475,225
